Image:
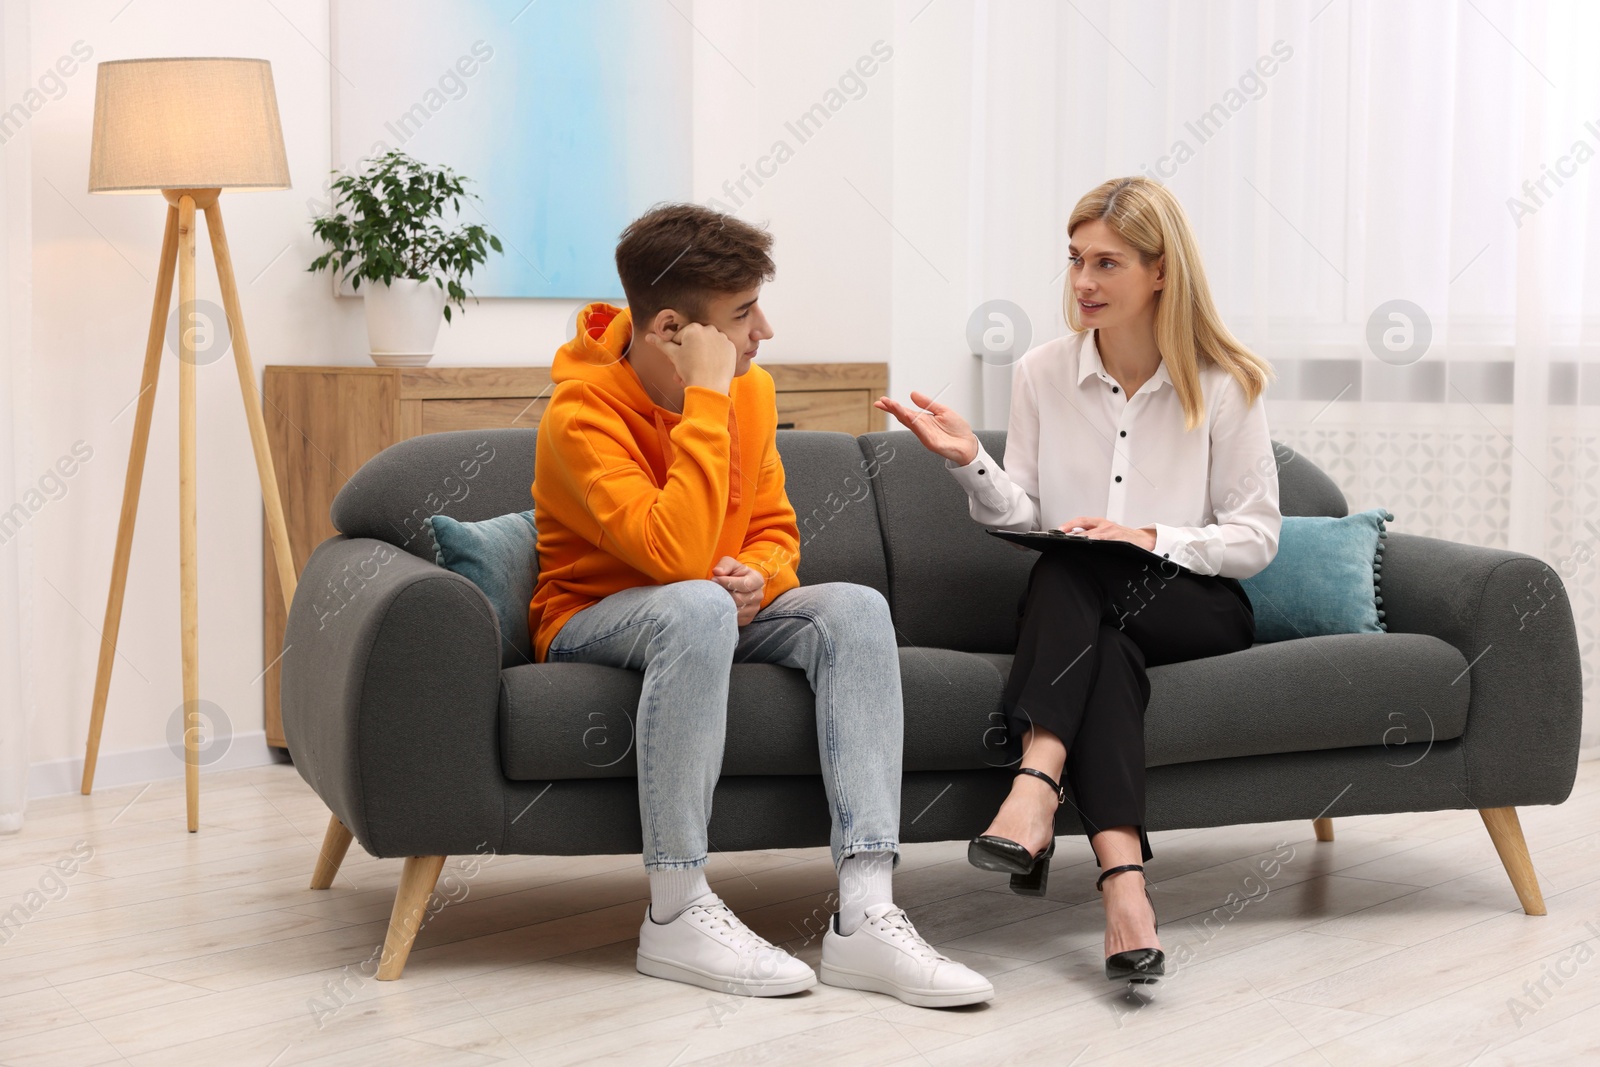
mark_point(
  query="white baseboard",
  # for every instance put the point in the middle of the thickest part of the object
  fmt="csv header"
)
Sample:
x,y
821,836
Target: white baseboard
x,y
139,765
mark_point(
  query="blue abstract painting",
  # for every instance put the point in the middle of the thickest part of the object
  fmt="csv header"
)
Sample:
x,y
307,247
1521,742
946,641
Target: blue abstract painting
x,y
571,117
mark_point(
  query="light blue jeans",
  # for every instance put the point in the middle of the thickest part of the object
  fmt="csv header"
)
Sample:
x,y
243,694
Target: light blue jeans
x,y
685,637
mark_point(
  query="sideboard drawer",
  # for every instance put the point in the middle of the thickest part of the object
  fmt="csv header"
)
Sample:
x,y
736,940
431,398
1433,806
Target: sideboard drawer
x,y
847,410
484,413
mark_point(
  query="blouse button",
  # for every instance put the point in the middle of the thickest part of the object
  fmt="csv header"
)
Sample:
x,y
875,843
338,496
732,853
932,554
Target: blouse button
x,y
1119,477
1124,433
1114,389
980,470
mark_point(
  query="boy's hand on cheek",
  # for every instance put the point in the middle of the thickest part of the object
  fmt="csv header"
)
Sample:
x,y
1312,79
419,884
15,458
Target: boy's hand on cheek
x,y
700,354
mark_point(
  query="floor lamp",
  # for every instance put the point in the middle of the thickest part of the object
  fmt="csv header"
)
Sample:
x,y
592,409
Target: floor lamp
x,y
187,129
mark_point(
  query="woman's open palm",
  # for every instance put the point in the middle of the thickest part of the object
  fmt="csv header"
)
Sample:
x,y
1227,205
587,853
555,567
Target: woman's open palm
x,y
939,427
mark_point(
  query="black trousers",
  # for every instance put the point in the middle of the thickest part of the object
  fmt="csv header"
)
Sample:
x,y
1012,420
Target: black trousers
x,y
1087,627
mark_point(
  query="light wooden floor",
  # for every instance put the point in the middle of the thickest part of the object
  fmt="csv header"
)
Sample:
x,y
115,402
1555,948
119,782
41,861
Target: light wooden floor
x,y
1399,942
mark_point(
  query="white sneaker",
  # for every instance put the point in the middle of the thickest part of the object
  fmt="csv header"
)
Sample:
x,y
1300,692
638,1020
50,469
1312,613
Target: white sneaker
x,y
708,946
887,955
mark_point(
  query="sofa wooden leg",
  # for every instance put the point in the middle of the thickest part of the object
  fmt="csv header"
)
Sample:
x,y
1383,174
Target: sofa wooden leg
x,y
1323,828
417,880
1506,833
335,842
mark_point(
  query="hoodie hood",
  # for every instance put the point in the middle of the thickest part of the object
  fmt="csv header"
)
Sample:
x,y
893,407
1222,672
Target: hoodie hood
x,y
596,355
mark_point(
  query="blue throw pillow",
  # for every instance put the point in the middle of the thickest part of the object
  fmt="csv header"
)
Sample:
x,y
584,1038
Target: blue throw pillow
x,y
1324,579
500,557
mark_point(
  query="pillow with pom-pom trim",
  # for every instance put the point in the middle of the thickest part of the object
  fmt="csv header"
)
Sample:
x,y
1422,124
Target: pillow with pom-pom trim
x,y
1325,579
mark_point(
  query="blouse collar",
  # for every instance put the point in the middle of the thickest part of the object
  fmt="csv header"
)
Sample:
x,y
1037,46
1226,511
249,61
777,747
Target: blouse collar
x,y
1089,363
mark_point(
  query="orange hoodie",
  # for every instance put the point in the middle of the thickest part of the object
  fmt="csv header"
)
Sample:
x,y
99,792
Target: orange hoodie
x,y
627,492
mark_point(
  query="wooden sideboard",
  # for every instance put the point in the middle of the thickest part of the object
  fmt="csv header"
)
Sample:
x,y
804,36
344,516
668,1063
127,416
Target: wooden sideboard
x,y
323,423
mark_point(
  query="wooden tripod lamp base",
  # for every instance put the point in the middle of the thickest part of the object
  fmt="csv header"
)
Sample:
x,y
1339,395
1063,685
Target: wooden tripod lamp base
x,y
231,139
177,250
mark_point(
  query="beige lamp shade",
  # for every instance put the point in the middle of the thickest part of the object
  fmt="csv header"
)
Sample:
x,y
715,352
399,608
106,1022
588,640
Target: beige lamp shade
x,y
186,123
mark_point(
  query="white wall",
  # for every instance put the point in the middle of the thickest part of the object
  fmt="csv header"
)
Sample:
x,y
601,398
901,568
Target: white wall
x,y
892,159
833,253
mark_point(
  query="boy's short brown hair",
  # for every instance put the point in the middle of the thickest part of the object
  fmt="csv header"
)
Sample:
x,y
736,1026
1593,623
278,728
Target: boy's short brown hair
x,y
678,256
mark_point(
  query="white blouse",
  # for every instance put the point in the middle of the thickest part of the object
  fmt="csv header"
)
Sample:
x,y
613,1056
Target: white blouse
x,y
1077,445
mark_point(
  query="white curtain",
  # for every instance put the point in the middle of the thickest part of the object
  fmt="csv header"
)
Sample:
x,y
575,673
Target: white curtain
x,y
16,248
1335,158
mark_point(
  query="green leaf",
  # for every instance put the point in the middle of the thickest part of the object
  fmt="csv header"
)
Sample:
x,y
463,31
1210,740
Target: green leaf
x,y
383,223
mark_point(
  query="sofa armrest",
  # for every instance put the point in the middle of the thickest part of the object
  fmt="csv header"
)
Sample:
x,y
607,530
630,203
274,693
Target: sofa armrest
x,y
390,697
1508,614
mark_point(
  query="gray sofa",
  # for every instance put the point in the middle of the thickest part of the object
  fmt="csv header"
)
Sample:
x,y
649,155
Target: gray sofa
x,y
427,735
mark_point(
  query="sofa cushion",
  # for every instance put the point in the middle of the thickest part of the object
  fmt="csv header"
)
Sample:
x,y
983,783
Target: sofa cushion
x,y
576,720
469,475
831,486
1305,488
1398,691
950,584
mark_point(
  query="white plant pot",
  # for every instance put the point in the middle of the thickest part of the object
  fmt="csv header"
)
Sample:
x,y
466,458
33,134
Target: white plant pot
x,y
403,321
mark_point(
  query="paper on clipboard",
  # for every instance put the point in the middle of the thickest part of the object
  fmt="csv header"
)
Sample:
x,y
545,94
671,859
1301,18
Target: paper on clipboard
x,y
1046,540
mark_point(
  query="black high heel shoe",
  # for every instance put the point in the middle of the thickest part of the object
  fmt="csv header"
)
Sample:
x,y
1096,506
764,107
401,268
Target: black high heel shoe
x,y
1142,965
1030,872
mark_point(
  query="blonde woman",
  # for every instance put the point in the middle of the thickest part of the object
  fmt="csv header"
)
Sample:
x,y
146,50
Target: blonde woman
x,y
1144,424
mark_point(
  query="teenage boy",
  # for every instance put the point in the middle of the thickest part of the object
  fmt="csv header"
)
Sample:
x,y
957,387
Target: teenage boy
x,y
667,545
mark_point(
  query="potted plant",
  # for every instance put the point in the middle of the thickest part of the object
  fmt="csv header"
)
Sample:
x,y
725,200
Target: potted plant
x,y
383,227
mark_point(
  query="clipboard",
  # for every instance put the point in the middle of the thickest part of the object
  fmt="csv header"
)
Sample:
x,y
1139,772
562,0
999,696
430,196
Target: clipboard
x,y
1055,540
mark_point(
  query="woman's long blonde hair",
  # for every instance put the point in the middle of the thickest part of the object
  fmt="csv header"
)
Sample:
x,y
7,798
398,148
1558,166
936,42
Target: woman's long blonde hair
x,y
1149,218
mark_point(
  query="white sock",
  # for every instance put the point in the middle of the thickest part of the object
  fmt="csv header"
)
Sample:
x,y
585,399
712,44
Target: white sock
x,y
673,889
865,879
